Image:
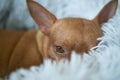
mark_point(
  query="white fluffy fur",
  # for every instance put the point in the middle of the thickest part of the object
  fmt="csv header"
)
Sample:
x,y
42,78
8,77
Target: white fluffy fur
x,y
101,64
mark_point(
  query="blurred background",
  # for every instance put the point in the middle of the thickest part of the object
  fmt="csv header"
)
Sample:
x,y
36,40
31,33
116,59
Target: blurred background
x,y
15,15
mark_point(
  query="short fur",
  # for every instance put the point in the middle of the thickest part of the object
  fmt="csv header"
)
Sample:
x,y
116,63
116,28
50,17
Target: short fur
x,y
25,49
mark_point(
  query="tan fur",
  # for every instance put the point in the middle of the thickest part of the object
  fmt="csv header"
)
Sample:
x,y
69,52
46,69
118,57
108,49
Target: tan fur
x,y
18,49
55,39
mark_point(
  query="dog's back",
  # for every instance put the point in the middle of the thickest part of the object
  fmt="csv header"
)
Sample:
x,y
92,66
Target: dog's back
x,y
15,46
9,38
8,41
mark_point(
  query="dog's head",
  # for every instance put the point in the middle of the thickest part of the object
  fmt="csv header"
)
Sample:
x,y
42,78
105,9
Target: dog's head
x,y
68,34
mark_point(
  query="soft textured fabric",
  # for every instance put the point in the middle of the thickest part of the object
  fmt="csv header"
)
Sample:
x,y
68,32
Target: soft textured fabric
x,y
101,64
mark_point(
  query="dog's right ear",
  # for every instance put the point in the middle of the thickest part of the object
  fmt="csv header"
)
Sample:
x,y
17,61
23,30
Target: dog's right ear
x,y
42,17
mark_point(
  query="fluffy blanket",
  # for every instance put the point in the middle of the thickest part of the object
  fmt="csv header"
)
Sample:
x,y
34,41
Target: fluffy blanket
x,y
100,64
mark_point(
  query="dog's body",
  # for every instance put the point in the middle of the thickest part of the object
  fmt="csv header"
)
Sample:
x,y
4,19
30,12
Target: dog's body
x,y
56,39
14,50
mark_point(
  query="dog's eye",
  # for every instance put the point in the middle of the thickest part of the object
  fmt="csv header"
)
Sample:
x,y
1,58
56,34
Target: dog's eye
x,y
59,49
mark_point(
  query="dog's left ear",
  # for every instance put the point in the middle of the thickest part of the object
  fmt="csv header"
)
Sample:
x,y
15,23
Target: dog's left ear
x,y
107,12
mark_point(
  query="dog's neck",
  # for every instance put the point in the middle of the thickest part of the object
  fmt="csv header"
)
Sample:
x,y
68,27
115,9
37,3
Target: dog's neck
x,y
42,42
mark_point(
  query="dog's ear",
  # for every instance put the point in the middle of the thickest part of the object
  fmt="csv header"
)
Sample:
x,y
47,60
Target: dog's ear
x,y
42,16
107,12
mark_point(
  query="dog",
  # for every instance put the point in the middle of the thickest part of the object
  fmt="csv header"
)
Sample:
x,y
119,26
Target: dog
x,y
55,39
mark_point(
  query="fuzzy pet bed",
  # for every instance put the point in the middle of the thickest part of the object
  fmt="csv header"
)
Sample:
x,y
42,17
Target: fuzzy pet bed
x,y
101,64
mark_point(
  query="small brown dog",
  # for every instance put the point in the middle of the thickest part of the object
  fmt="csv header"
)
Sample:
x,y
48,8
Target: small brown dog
x,y
55,39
